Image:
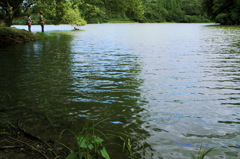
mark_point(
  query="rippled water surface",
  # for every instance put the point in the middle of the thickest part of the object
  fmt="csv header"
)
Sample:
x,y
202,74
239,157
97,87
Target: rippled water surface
x,y
170,86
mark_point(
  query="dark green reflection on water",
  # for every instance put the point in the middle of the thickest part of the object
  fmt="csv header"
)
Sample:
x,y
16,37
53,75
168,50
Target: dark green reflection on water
x,y
47,81
35,69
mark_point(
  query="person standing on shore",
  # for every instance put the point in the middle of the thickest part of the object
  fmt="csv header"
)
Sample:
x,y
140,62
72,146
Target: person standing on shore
x,y
29,22
41,21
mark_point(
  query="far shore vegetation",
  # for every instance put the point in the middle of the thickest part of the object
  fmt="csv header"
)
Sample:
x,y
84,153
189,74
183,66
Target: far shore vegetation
x,y
75,12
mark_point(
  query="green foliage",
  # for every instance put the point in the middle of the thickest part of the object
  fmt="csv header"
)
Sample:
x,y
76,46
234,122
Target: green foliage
x,y
192,7
4,133
92,13
78,12
225,12
11,36
91,142
13,9
101,11
54,11
72,16
135,10
154,13
120,20
173,11
127,146
201,154
195,19
222,17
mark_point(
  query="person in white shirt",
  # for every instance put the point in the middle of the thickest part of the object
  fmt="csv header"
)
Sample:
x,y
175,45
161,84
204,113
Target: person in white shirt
x,y
29,23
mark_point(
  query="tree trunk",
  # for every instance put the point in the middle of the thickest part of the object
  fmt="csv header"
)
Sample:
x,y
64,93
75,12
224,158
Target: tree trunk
x,y
9,18
8,21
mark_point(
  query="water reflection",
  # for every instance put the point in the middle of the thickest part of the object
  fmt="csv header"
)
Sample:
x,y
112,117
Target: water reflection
x,y
36,66
106,84
84,81
164,84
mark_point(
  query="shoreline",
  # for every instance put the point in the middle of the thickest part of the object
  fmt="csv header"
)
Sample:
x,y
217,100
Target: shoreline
x,y
12,35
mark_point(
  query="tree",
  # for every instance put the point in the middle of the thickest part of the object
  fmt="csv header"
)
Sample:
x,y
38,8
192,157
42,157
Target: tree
x,y
72,16
55,10
102,10
135,10
225,12
14,9
92,13
192,7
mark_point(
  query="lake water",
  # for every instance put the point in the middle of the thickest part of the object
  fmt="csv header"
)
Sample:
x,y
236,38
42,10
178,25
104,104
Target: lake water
x,y
170,86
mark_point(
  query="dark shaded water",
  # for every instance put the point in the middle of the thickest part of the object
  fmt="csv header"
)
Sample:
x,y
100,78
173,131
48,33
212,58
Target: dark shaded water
x,y
167,85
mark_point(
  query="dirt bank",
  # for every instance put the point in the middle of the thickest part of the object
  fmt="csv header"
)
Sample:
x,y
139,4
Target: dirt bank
x,y
11,36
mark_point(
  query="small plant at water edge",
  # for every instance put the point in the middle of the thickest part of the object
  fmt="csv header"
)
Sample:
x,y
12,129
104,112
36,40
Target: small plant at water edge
x,y
201,154
89,145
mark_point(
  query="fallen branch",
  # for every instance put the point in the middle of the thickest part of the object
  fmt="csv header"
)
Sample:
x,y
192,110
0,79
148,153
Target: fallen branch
x,y
9,147
29,146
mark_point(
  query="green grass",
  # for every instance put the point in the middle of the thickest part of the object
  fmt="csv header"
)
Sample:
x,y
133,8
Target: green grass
x,y
10,36
66,32
44,36
201,153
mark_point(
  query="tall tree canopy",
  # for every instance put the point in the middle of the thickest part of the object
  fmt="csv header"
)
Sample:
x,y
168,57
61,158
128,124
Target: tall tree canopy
x,y
103,10
143,10
55,10
94,11
13,9
226,12
174,11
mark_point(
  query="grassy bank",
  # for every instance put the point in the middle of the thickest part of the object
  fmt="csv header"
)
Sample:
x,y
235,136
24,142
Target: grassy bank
x,y
11,36
89,143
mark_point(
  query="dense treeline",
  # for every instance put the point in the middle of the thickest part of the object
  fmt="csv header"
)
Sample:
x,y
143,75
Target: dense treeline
x,y
226,12
174,11
95,11
98,11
